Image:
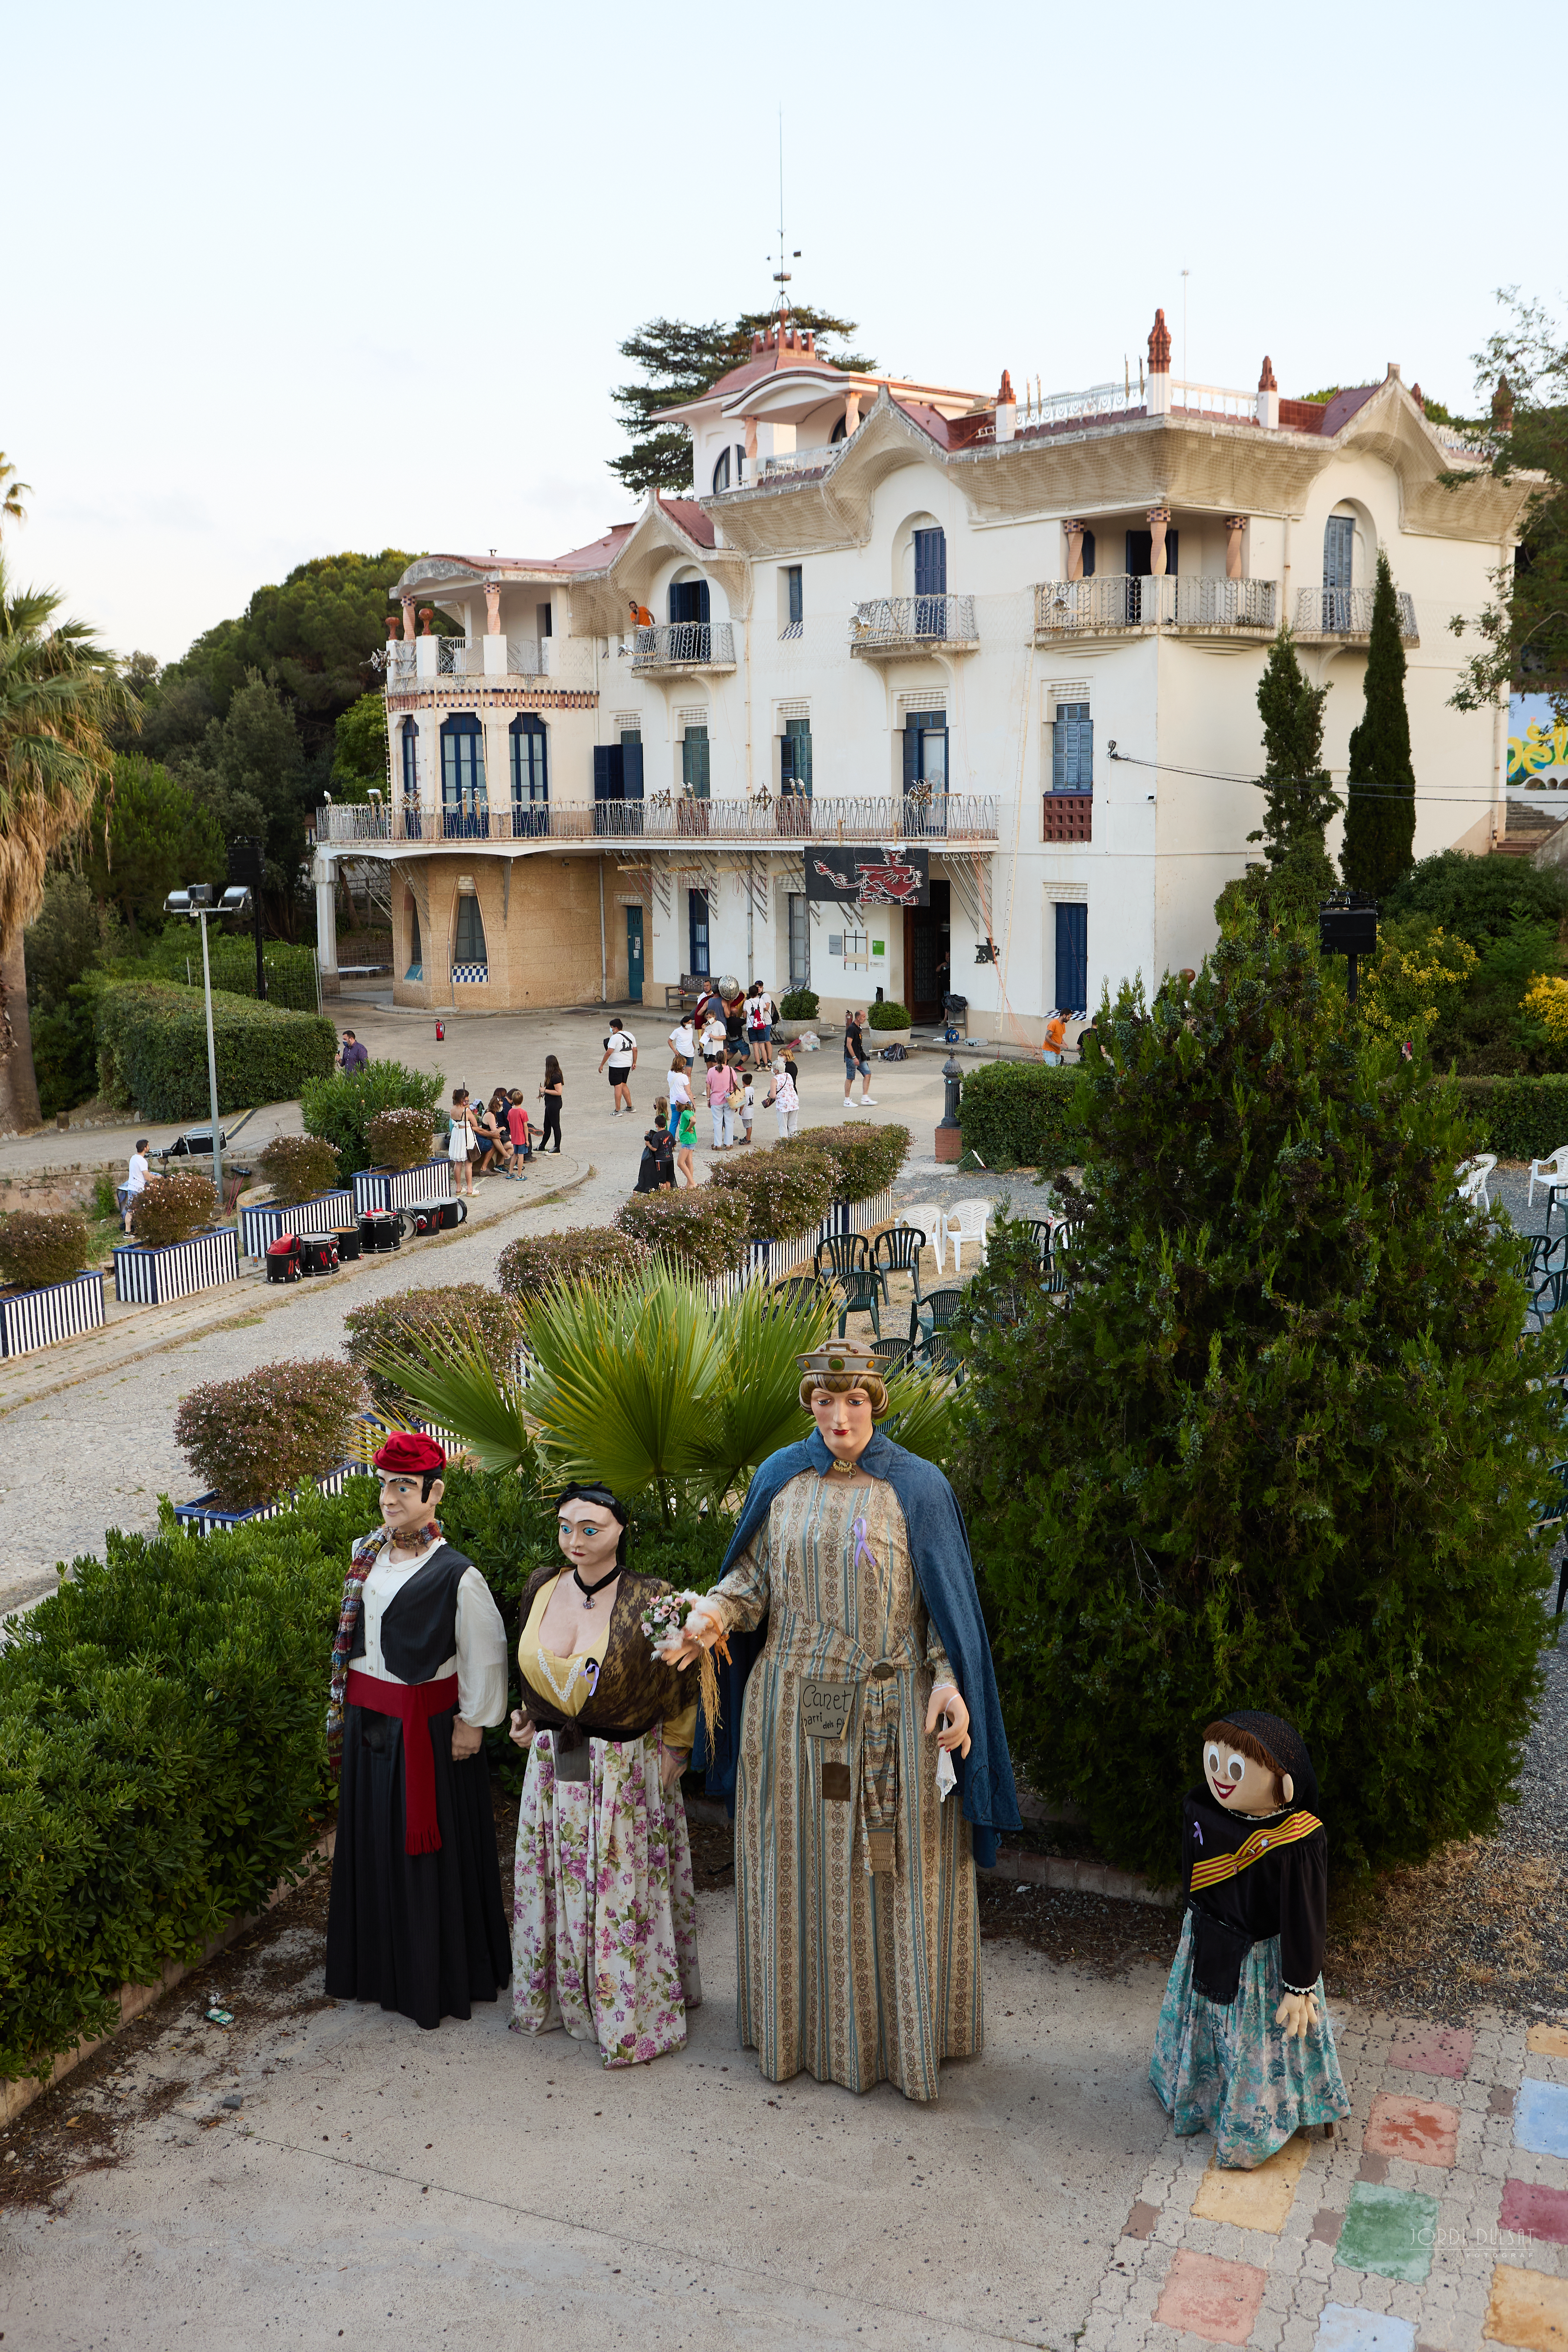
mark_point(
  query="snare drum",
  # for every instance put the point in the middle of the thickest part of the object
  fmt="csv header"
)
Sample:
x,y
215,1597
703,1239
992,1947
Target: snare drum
x,y
379,1230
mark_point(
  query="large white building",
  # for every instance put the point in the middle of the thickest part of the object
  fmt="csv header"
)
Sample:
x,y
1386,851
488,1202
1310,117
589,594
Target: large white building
x,y
1023,633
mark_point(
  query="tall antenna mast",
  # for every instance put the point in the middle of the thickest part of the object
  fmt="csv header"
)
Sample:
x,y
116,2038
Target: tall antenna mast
x,y
781,275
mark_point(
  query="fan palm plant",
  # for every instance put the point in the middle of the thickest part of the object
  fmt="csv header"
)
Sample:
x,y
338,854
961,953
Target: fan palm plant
x,y
59,692
644,1383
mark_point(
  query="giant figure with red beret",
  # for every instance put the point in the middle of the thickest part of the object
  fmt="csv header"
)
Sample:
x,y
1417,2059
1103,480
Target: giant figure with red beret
x,y
419,1669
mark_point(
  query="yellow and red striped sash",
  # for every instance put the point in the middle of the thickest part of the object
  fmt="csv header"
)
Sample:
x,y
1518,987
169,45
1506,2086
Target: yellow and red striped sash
x,y
1213,1872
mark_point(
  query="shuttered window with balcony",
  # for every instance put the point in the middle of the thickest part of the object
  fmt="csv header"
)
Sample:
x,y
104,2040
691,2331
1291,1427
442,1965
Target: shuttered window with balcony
x,y
925,751
794,757
1072,958
697,931
463,806
530,762
1072,748
694,775
688,602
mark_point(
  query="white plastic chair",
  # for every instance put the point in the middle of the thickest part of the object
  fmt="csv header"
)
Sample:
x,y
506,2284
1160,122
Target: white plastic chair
x,y
1472,1175
1552,1170
966,1221
926,1218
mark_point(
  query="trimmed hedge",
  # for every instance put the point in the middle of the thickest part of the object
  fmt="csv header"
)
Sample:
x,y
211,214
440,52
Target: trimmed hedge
x,y
1020,1114
343,1104
152,1049
526,1268
799,1004
173,1207
37,1247
290,970
1517,1118
865,1159
383,1326
889,1014
299,1167
784,1192
250,1439
703,1232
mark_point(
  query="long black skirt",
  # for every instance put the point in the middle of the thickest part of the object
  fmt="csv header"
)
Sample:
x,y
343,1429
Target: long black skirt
x,y
422,1933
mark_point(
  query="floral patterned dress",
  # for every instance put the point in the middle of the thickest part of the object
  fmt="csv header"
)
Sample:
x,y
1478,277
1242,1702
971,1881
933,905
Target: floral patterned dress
x,y
603,1908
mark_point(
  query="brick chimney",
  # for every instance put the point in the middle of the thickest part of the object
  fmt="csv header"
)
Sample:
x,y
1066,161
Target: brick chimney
x,y
1006,409
1502,405
1158,395
1268,410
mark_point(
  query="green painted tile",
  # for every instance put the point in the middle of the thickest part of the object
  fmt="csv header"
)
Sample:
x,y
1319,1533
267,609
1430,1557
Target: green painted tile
x,y
1389,2231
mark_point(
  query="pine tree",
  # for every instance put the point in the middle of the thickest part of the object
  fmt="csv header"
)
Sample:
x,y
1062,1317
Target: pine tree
x,y
679,361
1380,825
1278,1445
1298,793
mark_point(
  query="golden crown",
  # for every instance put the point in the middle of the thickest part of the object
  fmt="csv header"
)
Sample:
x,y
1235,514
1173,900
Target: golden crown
x,y
840,1358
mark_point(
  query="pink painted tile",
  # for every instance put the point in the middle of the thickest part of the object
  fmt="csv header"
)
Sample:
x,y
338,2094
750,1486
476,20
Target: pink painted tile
x,y
1535,2212
1435,2050
1420,2130
1218,2300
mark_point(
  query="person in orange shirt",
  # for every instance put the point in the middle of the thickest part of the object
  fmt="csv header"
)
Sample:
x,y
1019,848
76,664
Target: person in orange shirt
x,y
641,617
1056,1037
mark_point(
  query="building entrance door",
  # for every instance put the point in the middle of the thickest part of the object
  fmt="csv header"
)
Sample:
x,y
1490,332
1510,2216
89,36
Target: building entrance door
x,y
633,954
927,965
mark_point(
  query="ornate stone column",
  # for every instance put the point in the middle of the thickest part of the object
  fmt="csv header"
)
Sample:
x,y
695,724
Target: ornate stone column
x,y
1157,399
1158,522
1075,532
408,618
851,413
1234,527
492,608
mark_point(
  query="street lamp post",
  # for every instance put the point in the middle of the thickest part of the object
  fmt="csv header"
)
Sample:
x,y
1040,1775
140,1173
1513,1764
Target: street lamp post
x,y
949,1142
1347,926
198,902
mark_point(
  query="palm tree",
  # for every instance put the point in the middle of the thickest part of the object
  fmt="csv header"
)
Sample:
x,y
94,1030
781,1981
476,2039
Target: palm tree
x,y
59,692
12,492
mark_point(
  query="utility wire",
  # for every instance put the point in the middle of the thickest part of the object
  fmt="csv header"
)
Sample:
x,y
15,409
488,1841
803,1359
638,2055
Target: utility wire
x,y
1304,784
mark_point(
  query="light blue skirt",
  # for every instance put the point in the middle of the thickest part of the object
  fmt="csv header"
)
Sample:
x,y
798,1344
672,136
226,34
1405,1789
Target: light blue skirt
x,y
1233,2070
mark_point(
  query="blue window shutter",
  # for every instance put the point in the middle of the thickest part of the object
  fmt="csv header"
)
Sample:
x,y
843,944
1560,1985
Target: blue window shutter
x,y
1088,555
703,602
797,596
631,771
1086,754
608,772
912,757
1072,748
930,563
1059,753
1072,958
676,615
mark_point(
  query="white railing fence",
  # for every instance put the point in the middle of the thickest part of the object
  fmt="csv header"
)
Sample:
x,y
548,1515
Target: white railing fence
x,y
900,620
697,643
767,822
1347,612
1122,600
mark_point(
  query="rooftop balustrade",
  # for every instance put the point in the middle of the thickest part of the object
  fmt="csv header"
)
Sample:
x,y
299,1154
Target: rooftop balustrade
x,y
668,820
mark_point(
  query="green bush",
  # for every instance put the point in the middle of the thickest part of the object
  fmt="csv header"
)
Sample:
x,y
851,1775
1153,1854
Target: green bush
x,y
400,1139
37,1247
290,970
1517,1117
784,1192
173,1207
341,1105
1278,1445
382,1328
1021,1115
299,1167
702,1233
526,1268
1481,899
65,1054
152,1049
250,1439
799,1004
889,1016
866,1160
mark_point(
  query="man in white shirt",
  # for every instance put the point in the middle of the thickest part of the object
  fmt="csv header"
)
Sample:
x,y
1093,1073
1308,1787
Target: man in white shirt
x,y
621,1054
136,1183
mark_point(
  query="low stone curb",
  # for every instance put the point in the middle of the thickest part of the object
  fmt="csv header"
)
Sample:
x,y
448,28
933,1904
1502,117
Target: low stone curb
x,y
136,1999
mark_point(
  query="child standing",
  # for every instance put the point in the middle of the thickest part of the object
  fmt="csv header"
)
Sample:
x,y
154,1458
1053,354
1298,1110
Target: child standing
x,y
685,1137
744,1105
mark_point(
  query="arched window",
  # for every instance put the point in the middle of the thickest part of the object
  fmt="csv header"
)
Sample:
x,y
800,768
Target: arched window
x,y
840,433
416,949
721,472
1339,570
409,737
464,813
470,960
529,774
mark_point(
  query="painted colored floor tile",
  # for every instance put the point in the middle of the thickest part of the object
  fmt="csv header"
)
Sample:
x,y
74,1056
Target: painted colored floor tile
x,y
1535,2212
1342,2329
1259,2199
1527,2309
1541,2118
1422,2131
1435,2050
1547,2042
1218,2300
1389,2231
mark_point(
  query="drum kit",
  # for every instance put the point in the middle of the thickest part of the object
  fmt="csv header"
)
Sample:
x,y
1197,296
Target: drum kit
x,y
377,1233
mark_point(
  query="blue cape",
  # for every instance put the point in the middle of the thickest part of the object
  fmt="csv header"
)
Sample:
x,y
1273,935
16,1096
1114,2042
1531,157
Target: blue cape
x,y
939,1548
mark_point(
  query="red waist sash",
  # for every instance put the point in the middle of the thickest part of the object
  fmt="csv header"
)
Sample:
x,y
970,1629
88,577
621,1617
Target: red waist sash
x,y
413,1704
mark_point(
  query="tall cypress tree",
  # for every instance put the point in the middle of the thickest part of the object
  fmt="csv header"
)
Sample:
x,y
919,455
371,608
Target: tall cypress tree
x,y
1380,823
1298,793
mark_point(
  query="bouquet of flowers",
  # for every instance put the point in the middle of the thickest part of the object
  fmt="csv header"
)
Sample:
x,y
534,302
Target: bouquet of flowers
x,y
664,1619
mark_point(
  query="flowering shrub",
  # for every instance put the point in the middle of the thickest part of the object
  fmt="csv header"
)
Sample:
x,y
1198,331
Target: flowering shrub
x,y
1546,1001
173,1207
526,1268
400,1139
1416,965
784,1192
703,1232
37,1248
865,1159
298,1167
384,1327
250,1439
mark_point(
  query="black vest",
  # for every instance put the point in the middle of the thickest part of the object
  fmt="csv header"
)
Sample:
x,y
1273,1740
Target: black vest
x,y
419,1624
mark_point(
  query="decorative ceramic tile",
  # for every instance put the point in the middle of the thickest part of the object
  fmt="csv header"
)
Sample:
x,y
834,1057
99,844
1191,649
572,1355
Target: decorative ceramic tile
x,y
1258,2199
1389,2231
1535,2211
1218,2300
1528,2309
1342,2327
1434,2050
1420,2130
1541,2118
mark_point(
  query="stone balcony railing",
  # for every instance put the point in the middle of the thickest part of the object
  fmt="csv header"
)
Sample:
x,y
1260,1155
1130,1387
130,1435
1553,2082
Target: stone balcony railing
x,y
1347,612
902,628
684,645
666,821
415,661
1113,602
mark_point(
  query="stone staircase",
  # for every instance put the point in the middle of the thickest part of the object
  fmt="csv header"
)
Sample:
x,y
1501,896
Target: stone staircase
x,y
1529,828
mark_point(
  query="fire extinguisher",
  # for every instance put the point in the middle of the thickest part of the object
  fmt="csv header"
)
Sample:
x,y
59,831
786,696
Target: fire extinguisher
x,y
440,1031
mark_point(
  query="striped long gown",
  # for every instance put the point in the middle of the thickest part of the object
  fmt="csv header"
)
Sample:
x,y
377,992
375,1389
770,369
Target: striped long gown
x,y
862,1978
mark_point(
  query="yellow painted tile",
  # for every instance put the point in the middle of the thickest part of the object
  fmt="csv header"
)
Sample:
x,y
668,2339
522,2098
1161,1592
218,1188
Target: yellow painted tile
x,y
1547,2040
1254,2200
1528,2309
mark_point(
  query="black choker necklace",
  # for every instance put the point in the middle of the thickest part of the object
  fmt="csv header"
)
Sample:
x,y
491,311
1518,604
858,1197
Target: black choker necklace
x,y
588,1590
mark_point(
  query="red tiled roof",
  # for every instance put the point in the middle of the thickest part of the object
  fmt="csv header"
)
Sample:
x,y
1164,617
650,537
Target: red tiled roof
x,y
602,553
775,356
690,518
1344,406
930,420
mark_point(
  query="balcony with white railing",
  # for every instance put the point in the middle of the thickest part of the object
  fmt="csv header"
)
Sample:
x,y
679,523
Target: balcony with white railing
x,y
766,472
1115,604
1347,612
902,628
671,647
670,821
417,661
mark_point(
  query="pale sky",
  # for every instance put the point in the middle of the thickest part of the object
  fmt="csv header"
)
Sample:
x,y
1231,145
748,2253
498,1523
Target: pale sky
x,y
292,280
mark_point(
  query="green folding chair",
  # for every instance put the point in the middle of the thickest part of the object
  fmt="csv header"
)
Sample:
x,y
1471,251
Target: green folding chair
x,y
846,1258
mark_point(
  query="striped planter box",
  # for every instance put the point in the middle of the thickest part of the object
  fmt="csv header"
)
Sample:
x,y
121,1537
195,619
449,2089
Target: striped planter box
x,y
387,1188
203,1517
259,1227
38,1319
151,1277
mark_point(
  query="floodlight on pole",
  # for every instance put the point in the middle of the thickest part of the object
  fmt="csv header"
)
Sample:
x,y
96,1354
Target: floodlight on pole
x,y
200,900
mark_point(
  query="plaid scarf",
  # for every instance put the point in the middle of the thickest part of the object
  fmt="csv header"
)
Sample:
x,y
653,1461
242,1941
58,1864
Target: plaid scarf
x,y
362,1559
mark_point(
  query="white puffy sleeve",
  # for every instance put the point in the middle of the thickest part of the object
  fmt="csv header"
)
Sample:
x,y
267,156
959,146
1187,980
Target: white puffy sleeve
x,y
481,1652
